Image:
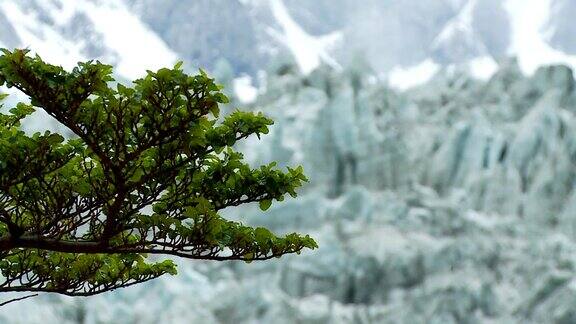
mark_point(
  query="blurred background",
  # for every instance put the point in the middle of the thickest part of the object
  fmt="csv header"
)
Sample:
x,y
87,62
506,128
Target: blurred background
x,y
439,138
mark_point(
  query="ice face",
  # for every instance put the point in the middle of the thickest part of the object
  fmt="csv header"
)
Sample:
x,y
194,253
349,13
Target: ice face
x,y
452,202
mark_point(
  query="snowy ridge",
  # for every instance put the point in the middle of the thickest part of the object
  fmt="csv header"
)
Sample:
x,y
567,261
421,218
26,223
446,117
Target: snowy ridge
x,y
528,42
460,24
308,51
528,18
65,31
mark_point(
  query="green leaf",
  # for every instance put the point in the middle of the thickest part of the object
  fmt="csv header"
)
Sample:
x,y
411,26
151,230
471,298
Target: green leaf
x,y
54,139
221,98
265,204
159,207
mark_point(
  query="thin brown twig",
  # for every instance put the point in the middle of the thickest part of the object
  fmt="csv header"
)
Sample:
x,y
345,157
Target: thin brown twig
x,y
17,299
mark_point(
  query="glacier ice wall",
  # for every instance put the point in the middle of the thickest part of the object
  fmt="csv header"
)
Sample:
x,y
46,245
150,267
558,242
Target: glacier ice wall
x,y
452,202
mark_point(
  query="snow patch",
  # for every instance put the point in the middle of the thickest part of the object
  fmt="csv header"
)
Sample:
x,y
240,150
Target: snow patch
x,y
49,44
483,68
125,37
139,48
403,78
244,89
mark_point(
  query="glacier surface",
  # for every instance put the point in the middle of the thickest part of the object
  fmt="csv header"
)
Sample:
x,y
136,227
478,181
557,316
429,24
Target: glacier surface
x,y
450,202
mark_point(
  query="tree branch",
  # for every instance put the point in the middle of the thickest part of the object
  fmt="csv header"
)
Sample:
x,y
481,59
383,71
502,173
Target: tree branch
x,y
17,299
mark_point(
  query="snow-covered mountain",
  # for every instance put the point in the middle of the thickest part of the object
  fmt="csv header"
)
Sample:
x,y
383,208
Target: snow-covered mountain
x,y
135,35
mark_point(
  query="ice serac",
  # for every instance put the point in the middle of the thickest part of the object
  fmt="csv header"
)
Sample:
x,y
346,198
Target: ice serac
x,y
455,203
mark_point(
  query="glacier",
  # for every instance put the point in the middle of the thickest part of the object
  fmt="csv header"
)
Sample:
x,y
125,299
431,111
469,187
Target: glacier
x,y
449,202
